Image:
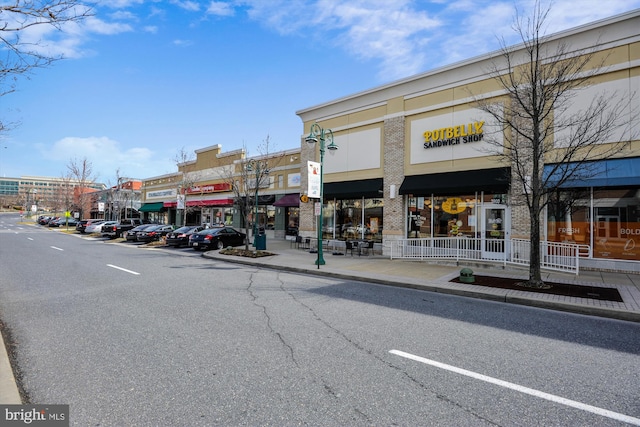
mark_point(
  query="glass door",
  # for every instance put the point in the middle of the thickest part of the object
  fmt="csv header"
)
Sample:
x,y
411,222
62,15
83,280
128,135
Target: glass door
x,y
495,231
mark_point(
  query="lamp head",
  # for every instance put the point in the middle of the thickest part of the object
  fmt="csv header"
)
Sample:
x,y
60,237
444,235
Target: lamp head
x,y
311,139
332,146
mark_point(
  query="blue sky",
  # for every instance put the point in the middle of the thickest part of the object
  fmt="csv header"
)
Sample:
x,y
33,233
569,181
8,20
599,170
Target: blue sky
x,y
143,79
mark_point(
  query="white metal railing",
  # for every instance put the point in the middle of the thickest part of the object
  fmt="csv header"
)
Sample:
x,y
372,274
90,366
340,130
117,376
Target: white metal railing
x,y
553,255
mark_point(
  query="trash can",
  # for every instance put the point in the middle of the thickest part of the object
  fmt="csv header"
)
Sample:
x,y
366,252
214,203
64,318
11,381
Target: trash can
x,y
261,242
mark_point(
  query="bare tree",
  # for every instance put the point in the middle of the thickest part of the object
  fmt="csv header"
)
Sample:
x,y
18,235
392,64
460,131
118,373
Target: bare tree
x,y
186,165
543,126
81,171
21,54
246,180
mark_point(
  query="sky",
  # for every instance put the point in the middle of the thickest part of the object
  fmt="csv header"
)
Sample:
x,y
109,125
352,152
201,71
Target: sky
x,y
143,80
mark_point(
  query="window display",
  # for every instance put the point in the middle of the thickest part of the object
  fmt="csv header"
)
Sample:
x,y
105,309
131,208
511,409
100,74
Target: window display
x,y
611,228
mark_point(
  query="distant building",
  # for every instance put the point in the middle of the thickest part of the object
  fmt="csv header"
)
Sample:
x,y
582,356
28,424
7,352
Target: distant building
x,y
37,193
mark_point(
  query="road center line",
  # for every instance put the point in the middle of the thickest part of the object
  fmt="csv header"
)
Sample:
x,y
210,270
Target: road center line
x,y
56,248
122,269
584,407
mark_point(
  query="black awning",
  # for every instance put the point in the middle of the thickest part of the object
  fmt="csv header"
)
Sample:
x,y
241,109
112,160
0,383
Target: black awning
x,y
290,200
369,188
489,180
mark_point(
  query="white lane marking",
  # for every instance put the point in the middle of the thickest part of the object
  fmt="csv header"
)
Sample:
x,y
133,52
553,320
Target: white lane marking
x,y
29,238
123,269
56,248
584,407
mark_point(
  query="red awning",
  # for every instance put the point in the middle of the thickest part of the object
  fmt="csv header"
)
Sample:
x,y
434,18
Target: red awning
x,y
290,200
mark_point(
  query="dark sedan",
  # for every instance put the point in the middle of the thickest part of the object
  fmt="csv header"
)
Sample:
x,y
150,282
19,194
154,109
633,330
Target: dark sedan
x,y
131,235
180,237
63,222
217,238
154,233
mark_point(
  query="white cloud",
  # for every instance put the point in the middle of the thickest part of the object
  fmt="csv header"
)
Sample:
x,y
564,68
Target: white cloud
x,y
191,6
182,43
220,8
410,36
106,156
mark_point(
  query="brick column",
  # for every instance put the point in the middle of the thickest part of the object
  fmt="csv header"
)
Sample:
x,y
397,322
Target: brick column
x,y
394,153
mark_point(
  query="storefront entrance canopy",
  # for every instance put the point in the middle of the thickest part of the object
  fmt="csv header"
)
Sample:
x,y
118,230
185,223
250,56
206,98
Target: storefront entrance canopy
x,y
288,201
489,180
152,207
367,188
603,173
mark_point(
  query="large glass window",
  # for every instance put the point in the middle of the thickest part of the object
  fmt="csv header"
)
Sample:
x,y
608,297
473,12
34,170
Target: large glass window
x,y
353,219
443,216
611,228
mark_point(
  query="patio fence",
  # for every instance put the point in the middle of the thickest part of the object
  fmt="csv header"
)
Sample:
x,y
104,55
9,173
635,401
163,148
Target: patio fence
x,y
553,255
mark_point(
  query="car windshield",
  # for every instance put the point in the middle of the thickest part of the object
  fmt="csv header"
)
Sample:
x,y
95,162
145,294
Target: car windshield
x,y
184,229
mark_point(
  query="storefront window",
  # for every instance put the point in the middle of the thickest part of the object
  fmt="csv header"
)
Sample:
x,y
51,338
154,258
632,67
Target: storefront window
x,y
443,216
293,221
353,219
612,231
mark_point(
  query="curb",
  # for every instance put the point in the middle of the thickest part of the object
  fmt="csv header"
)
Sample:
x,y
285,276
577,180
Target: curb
x,y
9,394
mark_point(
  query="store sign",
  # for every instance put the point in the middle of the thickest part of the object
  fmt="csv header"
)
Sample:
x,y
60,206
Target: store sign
x,y
460,134
161,193
209,188
454,205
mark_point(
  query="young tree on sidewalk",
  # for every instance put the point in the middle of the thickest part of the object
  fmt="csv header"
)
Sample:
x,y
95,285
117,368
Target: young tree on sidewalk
x,y
542,79
246,179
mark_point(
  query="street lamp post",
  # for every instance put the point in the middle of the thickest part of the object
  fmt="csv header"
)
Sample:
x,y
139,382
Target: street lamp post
x,y
321,135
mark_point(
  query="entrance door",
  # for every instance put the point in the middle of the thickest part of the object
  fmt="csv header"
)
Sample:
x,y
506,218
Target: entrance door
x,y
607,226
495,231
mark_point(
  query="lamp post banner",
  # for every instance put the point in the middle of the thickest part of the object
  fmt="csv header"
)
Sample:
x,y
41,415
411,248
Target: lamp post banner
x,y
314,191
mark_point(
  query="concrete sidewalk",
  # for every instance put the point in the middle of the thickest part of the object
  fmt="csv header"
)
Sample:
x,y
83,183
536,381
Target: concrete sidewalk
x,y
435,277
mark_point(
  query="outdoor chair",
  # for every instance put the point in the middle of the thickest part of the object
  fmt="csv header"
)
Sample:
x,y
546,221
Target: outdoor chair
x,y
297,241
307,243
349,247
368,248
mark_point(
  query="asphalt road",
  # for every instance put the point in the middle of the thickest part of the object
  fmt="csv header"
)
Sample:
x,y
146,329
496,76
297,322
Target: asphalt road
x,y
163,337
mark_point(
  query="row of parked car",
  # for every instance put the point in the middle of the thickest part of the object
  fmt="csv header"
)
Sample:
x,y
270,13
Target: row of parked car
x,y
197,237
56,221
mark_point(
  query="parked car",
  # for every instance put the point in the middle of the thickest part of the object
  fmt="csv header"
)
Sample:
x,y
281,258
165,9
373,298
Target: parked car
x,y
45,220
63,222
94,226
42,219
180,237
154,233
82,225
217,238
107,224
131,235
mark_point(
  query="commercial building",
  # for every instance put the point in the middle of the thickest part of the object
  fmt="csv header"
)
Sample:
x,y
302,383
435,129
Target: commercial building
x,y
201,192
414,159
38,193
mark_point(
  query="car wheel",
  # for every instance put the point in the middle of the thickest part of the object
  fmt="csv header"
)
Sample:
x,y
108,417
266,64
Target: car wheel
x,y
219,244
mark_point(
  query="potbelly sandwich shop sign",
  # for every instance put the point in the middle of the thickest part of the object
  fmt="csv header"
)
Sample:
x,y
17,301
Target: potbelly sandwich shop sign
x,y
471,132
455,136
